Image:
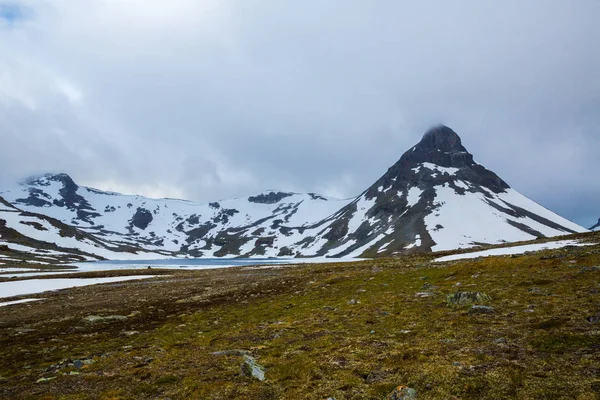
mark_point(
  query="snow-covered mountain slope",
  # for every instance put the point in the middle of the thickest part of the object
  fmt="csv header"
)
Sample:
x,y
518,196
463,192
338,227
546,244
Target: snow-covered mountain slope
x,y
42,239
437,198
264,224
596,227
434,198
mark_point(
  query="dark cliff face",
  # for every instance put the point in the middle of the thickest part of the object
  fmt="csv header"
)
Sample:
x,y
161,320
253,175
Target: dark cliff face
x,y
597,226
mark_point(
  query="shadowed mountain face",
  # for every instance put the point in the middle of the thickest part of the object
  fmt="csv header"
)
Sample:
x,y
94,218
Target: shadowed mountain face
x,y
434,198
596,227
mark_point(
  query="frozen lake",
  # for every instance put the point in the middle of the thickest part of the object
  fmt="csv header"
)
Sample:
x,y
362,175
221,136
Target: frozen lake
x,y
33,286
176,263
185,263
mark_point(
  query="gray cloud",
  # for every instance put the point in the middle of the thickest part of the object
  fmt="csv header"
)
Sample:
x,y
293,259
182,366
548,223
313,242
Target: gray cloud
x,y
208,100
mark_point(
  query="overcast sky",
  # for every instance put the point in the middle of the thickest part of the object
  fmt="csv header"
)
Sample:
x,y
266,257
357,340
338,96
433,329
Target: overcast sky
x,y
214,99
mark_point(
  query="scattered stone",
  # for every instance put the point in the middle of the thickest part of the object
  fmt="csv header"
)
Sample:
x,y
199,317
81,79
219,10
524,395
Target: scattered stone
x,y
329,308
500,341
481,310
353,301
98,318
42,380
589,269
465,298
404,331
456,364
24,330
78,364
129,333
375,376
251,368
74,373
424,294
402,393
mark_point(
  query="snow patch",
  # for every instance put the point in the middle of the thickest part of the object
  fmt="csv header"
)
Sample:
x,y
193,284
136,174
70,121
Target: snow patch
x,y
513,250
32,286
413,196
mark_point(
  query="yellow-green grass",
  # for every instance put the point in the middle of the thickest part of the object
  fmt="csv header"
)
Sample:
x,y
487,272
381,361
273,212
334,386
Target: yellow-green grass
x,y
348,331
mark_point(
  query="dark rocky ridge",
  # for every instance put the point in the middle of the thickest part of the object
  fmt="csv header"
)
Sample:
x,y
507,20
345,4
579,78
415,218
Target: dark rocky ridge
x,y
597,226
269,198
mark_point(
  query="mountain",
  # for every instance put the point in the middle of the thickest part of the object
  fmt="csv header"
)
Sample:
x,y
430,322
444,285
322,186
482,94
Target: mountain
x,y
436,197
33,237
596,227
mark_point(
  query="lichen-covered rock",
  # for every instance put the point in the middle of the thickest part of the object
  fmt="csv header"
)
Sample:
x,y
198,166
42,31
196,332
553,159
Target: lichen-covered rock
x,y
402,393
466,298
251,368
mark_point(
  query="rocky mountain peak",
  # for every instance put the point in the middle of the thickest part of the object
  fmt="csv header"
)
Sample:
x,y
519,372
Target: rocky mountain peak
x,y
42,180
596,227
441,146
441,138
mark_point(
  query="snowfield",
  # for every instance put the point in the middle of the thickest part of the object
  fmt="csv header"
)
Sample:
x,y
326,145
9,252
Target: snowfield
x,y
33,286
513,250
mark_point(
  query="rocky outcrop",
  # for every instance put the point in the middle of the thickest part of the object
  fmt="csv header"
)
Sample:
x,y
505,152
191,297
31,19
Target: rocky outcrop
x,y
269,198
141,219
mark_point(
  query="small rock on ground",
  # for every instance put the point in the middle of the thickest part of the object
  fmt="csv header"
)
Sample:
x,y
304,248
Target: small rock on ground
x,y
402,393
98,318
464,298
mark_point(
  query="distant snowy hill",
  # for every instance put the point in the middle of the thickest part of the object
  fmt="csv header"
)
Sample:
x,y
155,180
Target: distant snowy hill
x,y
434,198
26,235
596,227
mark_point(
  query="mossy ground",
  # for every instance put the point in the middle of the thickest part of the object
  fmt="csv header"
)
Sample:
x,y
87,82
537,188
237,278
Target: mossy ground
x,y
346,330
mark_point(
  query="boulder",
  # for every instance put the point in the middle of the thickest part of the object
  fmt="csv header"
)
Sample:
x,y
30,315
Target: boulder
x,y
402,393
